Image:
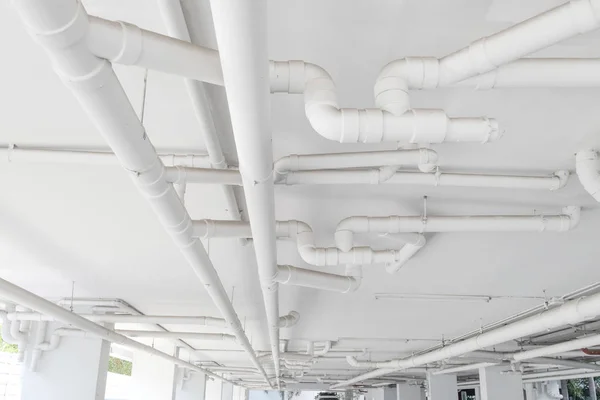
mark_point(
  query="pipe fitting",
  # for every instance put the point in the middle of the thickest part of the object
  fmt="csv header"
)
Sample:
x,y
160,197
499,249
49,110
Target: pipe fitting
x,y
562,177
289,320
588,171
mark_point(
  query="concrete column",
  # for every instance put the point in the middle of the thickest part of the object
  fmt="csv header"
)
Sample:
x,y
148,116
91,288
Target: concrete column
x,y
530,391
153,378
564,388
405,391
348,394
477,393
499,384
592,389
191,388
442,387
75,370
227,391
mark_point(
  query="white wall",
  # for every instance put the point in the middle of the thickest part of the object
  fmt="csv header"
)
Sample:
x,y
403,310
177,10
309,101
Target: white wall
x,y
152,378
191,389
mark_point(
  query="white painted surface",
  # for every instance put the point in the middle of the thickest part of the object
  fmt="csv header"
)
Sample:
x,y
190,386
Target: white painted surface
x,y
227,391
408,392
442,387
192,389
76,370
152,378
118,386
498,384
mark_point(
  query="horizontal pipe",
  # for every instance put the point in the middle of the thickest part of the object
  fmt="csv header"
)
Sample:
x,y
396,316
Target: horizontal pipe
x,y
124,43
571,312
463,368
178,335
16,154
588,341
566,375
289,275
203,175
382,176
21,296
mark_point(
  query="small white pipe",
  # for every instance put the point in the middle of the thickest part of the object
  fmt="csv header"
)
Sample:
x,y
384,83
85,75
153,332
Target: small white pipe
x,y
463,368
344,235
564,375
380,176
127,44
125,318
289,275
178,335
350,125
425,159
571,312
16,154
62,27
588,171
207,228
563,363
324,350
177,27
287,321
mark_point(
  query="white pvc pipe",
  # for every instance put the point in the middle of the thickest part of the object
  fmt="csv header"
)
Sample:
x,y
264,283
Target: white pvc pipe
x,y
124,43
350,125
581,343
463,368
426,159
539,72
344,235
177,28
571,312
15,154
287,321
181,175
289,275
177,335
588,172
536,33
381,176
241,31
21,296
61,27
406,253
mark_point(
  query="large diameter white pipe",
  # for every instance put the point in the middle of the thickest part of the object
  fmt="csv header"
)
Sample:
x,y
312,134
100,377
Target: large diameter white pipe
x,y
588,172
241,31
581,343
571,312
177,28
289,275
344,235
539,72
537,33
351,125
61,26
21,296
124,43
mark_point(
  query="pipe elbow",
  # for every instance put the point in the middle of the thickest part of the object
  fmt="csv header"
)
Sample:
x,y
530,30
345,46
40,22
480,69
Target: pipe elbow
x,y
428,160
289,320
574,215
586,165
561,179
344,233
326,120
352,361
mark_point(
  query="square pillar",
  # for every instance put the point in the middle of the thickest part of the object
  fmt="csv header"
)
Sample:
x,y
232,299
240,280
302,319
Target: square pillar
x,y
153,378
404,391
227,391
76,370
190,386
498,383
442,387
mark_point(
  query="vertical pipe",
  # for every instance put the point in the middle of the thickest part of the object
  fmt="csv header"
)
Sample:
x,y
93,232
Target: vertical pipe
x,y
177,28
592,385
241,30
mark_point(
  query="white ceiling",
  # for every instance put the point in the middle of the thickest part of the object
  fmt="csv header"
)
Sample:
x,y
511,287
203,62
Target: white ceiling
x,y
88,224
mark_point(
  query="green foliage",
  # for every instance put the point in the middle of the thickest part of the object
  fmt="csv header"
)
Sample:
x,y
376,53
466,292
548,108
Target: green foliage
x,y
118,366
8,348
579,388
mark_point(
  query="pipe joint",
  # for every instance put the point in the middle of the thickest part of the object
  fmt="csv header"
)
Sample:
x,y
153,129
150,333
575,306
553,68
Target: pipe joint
x,y
561,179
585,14
131,44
